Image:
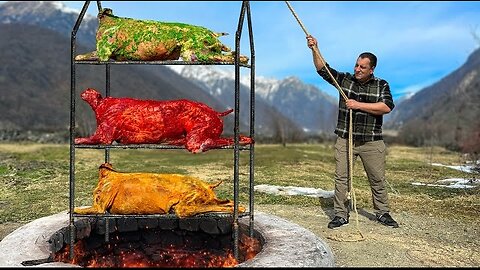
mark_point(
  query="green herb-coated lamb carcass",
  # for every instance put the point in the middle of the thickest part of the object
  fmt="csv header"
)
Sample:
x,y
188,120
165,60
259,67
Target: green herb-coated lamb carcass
x,y
124,39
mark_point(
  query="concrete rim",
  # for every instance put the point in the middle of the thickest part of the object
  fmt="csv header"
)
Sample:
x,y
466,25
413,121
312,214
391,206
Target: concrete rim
x,y
286,244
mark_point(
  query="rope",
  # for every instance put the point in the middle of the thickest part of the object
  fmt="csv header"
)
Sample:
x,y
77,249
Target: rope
x,y
315,49
350,126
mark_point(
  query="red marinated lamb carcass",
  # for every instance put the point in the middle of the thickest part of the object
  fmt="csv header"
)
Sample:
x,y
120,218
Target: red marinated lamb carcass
x,y
176,122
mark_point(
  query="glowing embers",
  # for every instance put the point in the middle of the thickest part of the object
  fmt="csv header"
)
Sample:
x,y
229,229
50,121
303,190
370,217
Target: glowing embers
x,y
160,248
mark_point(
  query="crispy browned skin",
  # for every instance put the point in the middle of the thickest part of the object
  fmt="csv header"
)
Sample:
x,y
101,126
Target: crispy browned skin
x,y
153,193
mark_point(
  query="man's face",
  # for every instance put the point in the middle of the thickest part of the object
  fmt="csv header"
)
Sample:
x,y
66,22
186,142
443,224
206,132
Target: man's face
x,y
362,69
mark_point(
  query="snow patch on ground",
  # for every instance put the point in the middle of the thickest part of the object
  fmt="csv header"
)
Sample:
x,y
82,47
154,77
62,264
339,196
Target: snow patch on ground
x,y
454,182
320,193
463,168
291,190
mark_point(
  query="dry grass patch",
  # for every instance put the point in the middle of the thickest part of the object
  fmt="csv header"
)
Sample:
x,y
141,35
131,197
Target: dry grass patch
x,y
37,175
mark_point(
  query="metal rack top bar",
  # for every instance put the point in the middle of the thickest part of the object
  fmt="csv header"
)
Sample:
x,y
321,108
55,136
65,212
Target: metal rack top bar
x,y
172,62
145,146
165,216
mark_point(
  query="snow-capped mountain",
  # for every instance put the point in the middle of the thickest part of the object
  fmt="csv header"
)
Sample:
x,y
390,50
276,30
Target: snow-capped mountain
x,y
304,104
53,15
220,83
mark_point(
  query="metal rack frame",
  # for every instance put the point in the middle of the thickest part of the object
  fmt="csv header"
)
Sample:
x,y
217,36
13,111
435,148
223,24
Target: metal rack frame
x,y
245,11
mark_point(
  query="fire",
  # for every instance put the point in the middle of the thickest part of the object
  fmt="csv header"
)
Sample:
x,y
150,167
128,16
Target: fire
x,y
112,255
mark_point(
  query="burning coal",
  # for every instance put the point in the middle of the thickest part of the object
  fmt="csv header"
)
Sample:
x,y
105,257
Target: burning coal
x,y
122,252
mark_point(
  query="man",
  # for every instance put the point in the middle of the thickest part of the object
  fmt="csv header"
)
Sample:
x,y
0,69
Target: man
x,y
369,98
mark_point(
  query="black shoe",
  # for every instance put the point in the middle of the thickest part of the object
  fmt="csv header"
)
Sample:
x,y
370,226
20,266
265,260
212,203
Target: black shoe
x,y
337,222
387,220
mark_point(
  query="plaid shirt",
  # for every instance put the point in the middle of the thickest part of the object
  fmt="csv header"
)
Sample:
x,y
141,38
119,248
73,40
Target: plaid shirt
x,y
366,127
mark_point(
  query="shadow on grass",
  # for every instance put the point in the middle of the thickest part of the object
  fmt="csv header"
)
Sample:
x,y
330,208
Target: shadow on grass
x,y
327,206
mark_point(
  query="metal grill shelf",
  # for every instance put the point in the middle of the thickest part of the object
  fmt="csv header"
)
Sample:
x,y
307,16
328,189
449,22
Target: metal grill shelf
x,y
146,146
112,62
244,12
165,216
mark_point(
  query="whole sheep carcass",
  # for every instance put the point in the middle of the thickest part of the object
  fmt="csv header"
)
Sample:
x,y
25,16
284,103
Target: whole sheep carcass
x,y
123,39
176,122
154,193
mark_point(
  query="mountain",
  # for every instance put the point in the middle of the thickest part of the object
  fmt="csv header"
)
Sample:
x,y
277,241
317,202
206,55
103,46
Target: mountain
x,y
221,84
53,15
313,111
448,110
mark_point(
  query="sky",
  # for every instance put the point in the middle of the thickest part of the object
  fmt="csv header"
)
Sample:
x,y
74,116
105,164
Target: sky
x,y
417,43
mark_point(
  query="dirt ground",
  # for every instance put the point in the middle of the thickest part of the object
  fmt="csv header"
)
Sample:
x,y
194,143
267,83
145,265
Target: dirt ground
x,y
420,241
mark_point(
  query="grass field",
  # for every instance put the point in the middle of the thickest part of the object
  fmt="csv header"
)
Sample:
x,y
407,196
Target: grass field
x,y
34,178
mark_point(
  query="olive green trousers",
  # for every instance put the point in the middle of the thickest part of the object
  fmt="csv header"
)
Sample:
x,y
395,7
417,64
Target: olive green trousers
x,y
372,154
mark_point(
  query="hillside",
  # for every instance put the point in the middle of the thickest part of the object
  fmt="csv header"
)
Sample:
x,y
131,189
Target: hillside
x,y
448,110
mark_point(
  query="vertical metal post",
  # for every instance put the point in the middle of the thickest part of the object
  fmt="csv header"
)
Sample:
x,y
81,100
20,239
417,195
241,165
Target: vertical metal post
x,y
252,120
107,150
72,125
236,151
72,147
107,94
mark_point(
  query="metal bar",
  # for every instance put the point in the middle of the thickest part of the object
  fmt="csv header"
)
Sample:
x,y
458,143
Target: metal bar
x,y
107,150
80,17
99,6
107,94
236,153
72,125
107,227
252,120
169,62
165,216
72,148
148,146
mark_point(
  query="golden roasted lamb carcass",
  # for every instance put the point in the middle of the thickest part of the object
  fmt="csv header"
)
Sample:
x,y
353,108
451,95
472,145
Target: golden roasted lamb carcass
x,y
153,193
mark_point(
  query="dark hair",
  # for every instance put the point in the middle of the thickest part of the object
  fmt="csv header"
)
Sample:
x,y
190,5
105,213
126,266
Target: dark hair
x,y
371,57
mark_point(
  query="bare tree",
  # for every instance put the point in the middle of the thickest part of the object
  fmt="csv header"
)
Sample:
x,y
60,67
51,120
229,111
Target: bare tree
x,y
279,132
475,34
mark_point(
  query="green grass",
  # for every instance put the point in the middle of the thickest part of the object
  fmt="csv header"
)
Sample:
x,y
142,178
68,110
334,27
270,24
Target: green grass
x,y
34,178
